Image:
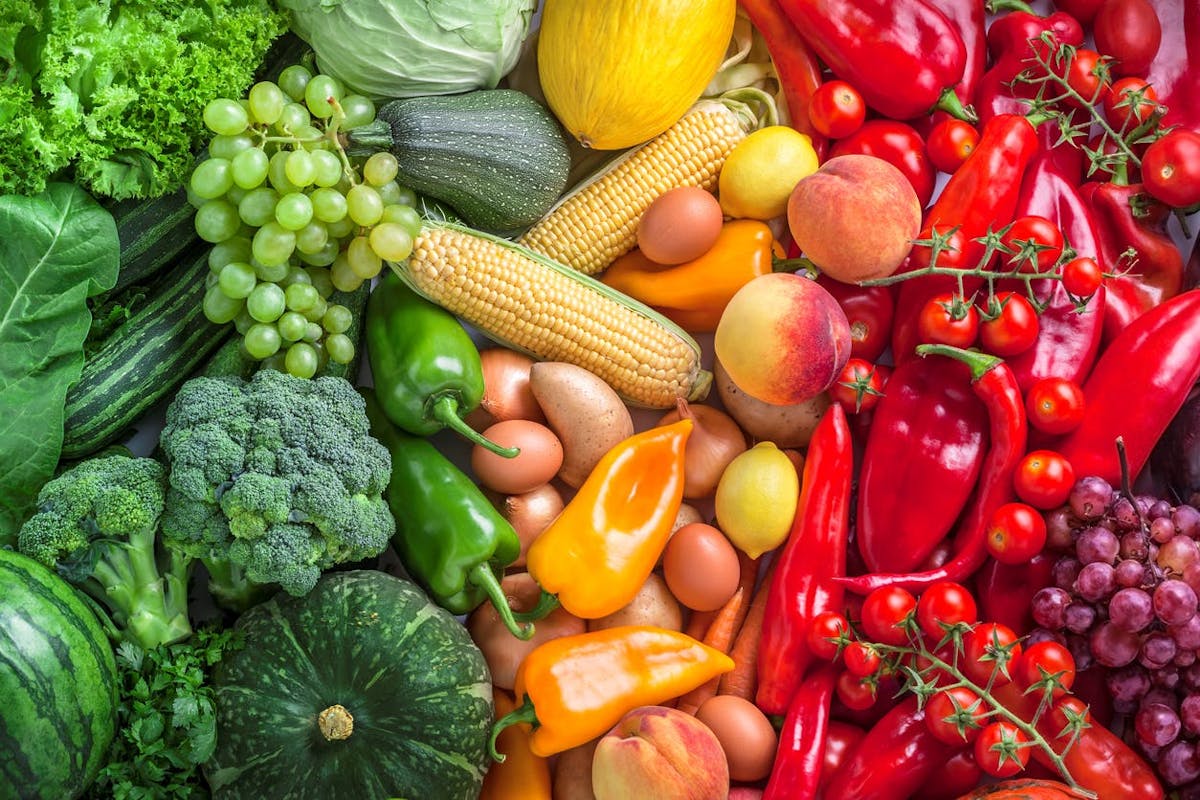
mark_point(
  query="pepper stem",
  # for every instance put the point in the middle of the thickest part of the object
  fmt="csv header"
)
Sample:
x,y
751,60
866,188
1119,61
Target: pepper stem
x,y
795,265
444,409
953,105
546,603
335,723
522,713
999,6
481,575
980,363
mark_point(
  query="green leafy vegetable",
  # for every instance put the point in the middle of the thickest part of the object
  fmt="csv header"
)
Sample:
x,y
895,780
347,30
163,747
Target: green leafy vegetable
x,y
59,248
117,88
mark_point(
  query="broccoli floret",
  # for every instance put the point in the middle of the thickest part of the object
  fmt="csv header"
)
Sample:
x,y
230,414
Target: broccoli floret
x,y
97,526
273,480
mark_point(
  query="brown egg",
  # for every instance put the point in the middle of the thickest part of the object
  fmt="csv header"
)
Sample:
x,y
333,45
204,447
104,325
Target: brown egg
x,y
745,734
701,567
538,462
680,225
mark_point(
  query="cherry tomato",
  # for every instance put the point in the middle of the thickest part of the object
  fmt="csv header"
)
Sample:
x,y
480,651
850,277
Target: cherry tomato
x,y
869,310
856,693
1064,708
882,612
955,715
944,605
1012,326
898,144
1129,31
824,631
858,386
1055,405
836,109
1105,145
1044,479
947,319
1015,533
1087,74
1043,659
1129,103
1171,168
1036,243
1002,749
1082,10
951,248
1082,276
861,659
983,653
950,142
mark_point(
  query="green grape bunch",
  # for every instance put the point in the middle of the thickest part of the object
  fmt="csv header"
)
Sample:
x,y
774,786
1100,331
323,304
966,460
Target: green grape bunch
x,y
292,218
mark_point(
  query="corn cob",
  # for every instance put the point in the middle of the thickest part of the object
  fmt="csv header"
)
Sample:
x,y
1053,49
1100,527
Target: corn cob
x,y
596,223
530,303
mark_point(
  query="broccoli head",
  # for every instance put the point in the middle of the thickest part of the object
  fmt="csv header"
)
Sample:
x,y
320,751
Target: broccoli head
x,y
97,526
276,478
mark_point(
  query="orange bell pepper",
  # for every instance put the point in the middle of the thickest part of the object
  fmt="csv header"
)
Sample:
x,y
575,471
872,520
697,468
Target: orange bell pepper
x,y
523,775
693,294
576,688
603,545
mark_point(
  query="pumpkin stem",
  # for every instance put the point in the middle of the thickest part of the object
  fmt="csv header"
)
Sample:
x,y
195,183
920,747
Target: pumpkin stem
x,y
336,723
482,576
523,713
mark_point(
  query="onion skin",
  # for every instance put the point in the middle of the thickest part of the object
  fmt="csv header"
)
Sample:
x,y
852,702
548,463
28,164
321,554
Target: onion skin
x,y
506,392
715,441
531,513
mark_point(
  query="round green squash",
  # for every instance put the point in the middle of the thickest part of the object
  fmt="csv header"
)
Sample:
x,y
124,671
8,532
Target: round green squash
x,y
362,689
58,685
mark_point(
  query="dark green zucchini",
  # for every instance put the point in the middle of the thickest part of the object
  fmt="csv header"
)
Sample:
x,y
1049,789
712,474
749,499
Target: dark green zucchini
x,y
153,233
495,155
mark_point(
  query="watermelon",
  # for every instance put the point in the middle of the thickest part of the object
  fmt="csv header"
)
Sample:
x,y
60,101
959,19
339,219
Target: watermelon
x,y
362,689
58,685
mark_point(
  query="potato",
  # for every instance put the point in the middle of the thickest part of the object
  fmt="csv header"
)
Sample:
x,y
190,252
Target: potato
x,y
652,605
573,773
785,426
584,411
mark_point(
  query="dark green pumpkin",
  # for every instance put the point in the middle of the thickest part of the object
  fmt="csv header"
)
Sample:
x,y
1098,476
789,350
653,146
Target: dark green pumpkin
x,y
363,646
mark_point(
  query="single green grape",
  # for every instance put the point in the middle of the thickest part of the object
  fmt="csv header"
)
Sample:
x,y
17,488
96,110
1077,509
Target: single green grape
x,y
340,348
301,360
277,175
364,261
228,251
380,169
243,321
262,341
194,200
220,308
258,206
293,117
313,332
312,138
275,362
293,80
301,297
317,312
217,220
211,178
318,93
229,146
235,195
404,216
323,257
273,244
342,277
391,241
272,274
390,193
292,326
299,168
342,228
250,168
294,275
364,205
237,280
312,238
359,111
294,211
328,168
320,278
266,102
337,319
405,197
266,302
329,205
225,116
210,280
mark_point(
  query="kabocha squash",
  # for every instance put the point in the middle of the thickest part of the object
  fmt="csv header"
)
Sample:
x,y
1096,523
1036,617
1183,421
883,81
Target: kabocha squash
x,y
362,689
619,73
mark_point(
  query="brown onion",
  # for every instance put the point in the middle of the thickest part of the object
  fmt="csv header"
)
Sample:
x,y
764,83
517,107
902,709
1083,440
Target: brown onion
x,y
506,393
530,514
716,439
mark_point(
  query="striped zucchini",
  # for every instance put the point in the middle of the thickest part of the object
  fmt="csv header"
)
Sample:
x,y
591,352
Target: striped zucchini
x,y
143,360
153,233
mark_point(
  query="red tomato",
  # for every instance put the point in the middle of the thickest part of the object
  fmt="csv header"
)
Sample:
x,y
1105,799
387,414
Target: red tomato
x,y
898,144
824,632
861,659
1130,32
947,319
1055,405
944,605
1087,74
1130,103
955,715
869,310
984,649
950,142
1062,711
882,612
1042,660
836,109
1036,243
1171,168
1015,534
1002,749
856,693
1044,479
1011,325
1082,276
951,248
1082,10
858,386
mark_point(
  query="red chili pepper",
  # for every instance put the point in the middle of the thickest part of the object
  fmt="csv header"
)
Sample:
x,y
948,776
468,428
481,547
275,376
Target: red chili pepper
x,y
1068,340
1158,356
1175,71
893,760
923,453
798,70
796,773
1004,590
897,143
812,557
903,56
994,384
981,195
969,19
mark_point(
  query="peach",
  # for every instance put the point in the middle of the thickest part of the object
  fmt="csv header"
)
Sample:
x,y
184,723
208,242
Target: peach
x,y
745,793
782,339
661,753
855,217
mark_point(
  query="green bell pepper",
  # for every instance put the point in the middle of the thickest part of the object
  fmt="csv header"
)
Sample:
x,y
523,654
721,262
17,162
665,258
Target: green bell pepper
x,y
426,368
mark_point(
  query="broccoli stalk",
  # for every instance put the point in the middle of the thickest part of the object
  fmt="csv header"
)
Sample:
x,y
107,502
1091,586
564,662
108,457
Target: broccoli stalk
x,y
230,588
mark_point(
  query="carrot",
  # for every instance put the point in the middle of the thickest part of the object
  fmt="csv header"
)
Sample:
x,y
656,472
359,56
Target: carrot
x,y
698,623
720,636
742,679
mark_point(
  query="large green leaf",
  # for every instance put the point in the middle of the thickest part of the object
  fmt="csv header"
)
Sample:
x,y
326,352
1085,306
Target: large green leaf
x,y
56,249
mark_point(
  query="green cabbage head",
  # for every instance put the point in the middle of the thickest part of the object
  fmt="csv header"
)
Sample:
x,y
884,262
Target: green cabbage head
x,y
407,48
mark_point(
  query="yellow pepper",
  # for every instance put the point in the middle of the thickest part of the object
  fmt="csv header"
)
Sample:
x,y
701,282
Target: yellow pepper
x,y
522,775
603,545
576,688
693,294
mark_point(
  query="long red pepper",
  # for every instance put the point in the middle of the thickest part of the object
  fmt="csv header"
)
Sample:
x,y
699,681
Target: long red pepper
x,y
980,196
923,454
796,773
903,56
1175,71
1158,357
813,556
994,384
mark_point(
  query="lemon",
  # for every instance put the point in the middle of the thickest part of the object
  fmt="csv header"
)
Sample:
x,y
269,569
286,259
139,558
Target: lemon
x,y
756,499
761,171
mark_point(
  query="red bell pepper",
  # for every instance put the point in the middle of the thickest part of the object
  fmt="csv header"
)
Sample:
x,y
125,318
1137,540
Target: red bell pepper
x,y
923,453
868,309
796,773
1175,71
798,70
994,384
1158,356
897,143
955,778
969,18
1004,591
903,56
812,557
